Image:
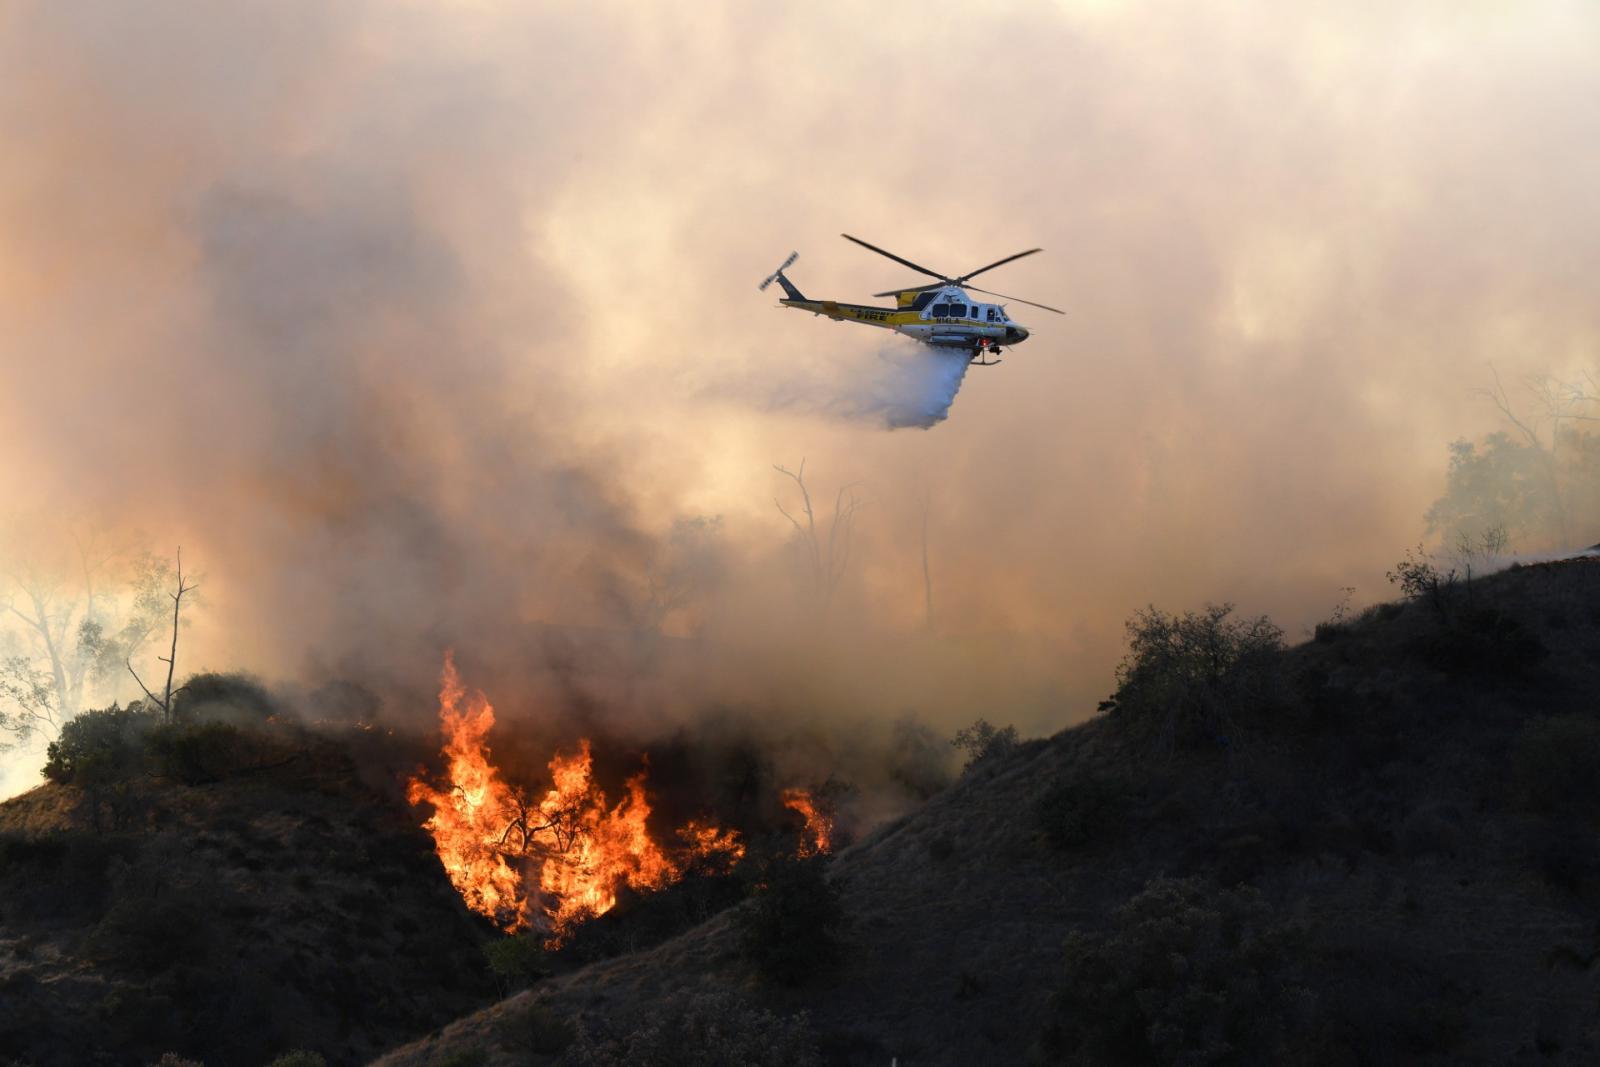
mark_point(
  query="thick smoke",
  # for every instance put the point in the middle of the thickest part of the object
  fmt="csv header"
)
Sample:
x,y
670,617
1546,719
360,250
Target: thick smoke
x,y
434,325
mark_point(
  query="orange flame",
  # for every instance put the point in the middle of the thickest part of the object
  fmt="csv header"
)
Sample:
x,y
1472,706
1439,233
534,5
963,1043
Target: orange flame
x,y
817,836
595,851
468,820
579,852
715,849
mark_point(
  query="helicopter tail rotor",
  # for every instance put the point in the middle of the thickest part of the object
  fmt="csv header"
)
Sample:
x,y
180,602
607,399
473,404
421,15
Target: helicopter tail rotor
x,y
777,276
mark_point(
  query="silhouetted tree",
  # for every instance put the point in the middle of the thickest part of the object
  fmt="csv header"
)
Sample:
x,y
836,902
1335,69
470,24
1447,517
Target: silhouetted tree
x,y
1537,483
74,610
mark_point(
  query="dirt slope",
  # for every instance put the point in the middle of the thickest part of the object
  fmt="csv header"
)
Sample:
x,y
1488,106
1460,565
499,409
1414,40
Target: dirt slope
x,y
289,908
1401,813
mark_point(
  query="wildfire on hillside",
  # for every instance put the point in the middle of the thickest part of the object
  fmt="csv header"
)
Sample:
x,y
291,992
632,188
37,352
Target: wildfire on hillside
x,y
555,861
817,835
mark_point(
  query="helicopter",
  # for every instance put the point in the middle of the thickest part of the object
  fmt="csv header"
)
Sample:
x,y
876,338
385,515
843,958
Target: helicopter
x,y
940,314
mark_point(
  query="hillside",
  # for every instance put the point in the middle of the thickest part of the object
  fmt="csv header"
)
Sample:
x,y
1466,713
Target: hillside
x,y
1388,856
290,903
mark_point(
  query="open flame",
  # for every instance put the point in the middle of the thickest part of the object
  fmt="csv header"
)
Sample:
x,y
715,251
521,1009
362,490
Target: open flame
x,y
468,821
817,835
590,852
557,861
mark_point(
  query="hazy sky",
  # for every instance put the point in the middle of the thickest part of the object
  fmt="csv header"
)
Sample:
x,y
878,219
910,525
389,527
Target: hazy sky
x,y
415,323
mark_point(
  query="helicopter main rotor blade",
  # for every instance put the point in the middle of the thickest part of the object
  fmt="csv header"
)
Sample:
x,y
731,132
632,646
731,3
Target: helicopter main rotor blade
x,y
897,259
912,289
1018,299
997,263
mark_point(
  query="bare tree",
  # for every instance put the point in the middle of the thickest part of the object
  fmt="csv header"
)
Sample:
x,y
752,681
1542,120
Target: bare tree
x,y
825,556
164,702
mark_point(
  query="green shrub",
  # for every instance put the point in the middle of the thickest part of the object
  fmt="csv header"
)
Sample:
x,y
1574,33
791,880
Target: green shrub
x,y
918,759
215,697
1077,811
99,747
516,961
983,742
172,1059
1419,580
153,930
299,1058
706,1030
1337,625
790,928
538,1029
1196,678
1556,763
1482,641
1329,632
195,753
1188,974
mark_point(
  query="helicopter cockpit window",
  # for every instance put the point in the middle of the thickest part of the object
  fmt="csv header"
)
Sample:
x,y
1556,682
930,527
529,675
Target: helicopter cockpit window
x,y
992,316
941,310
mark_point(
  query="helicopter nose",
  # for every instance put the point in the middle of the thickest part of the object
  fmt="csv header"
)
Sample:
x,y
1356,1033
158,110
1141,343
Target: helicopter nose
x,y
1016,334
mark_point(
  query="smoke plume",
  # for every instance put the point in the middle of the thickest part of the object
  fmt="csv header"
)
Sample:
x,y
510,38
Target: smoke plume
x,y
431,326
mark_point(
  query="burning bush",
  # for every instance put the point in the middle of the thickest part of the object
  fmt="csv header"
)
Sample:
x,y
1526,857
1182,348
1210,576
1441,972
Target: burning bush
x,y
556,860
816,835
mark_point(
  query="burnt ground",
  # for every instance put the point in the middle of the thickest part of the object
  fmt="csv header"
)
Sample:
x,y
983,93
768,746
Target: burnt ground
x,y
291,905
1412,813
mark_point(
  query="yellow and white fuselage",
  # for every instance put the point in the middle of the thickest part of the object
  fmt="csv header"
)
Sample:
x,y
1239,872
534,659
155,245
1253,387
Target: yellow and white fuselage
x,y
947,318
944,316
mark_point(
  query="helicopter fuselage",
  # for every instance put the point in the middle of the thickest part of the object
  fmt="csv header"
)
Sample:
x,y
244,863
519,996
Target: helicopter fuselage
x,y
947,318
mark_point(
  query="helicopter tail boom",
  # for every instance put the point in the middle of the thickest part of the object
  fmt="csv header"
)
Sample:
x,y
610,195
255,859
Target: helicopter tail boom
x,y
789,289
